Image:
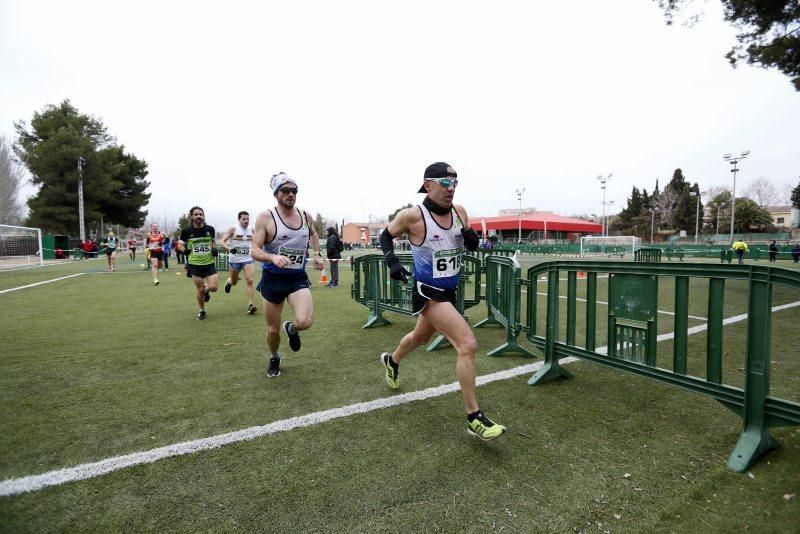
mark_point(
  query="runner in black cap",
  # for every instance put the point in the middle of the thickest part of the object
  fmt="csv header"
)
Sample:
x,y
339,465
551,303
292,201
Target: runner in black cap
x,y
438,231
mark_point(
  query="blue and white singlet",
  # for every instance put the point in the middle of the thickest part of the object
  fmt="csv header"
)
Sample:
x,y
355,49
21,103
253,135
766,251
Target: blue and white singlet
x,y
437,260
289,242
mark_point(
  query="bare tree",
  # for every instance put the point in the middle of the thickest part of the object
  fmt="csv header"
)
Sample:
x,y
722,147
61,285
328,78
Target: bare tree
x,y
10,185
785,195
762,192
666,203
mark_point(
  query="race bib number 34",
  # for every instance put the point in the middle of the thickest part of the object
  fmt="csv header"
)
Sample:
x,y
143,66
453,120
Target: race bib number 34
x,y
295,255
446,263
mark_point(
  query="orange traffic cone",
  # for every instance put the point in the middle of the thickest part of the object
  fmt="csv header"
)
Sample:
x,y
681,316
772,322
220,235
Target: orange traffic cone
x,y
581,274
324,277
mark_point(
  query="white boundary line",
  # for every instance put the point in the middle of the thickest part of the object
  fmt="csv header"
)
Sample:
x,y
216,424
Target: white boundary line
x,y
40,283
15,486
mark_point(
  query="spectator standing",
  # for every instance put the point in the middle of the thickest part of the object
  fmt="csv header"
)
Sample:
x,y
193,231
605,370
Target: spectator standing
x,y
773,251
334,249
166,249
796,252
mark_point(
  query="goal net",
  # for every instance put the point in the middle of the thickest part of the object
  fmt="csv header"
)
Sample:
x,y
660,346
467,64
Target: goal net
x,y
608,245
20,247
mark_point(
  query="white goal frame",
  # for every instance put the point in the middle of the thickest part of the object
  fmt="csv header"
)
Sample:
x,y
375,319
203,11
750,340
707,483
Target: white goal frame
x,y
628,242
7,230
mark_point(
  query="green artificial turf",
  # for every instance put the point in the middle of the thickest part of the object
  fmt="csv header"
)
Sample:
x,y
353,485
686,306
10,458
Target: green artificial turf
x,y
105,364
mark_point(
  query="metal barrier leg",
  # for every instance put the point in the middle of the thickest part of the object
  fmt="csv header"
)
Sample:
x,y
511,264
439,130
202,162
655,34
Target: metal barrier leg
x,y
439,343
755,439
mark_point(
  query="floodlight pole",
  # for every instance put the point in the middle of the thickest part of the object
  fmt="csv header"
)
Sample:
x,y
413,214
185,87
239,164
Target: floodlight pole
x,y
519,197
697,217
81,161
734,161
652,224
603,180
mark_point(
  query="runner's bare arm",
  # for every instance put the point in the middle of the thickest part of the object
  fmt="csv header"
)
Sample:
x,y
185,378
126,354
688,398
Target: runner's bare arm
x,y
225,237
263,232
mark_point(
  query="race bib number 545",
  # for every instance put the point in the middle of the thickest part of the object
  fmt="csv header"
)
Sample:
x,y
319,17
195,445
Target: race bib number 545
x,y
446,263
295,255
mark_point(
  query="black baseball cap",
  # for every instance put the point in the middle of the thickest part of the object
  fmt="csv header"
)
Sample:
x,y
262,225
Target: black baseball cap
x,y
439,169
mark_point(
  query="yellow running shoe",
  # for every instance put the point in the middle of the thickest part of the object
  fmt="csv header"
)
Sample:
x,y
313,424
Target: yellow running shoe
x,y
392,371
484,428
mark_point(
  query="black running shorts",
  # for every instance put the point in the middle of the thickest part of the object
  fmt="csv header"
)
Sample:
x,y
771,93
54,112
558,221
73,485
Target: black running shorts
x,y
423,293
276,287
202,271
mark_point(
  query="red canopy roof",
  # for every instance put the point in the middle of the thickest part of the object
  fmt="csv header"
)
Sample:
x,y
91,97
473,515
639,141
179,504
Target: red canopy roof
x,y
536,221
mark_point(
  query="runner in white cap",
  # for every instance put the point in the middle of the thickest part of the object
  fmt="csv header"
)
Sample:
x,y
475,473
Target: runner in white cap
x,y
280,242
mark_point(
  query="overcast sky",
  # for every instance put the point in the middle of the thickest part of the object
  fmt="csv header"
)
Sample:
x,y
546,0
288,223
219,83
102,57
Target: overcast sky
x,y
355,99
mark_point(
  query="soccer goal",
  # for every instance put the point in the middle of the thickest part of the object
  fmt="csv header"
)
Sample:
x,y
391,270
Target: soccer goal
x,y
608,245
20,247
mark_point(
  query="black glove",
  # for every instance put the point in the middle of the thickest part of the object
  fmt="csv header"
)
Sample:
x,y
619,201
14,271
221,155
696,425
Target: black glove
x,y
396,269
214,252
471,240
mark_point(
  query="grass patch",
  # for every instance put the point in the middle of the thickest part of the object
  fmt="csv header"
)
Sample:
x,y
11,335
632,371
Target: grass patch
x,y
105,364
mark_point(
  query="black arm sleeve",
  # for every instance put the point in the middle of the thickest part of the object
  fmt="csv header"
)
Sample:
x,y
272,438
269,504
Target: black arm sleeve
x,y
471,240
387,245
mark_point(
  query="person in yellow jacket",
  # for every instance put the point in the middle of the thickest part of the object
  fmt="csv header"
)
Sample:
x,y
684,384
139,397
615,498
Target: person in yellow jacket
x,y
740,247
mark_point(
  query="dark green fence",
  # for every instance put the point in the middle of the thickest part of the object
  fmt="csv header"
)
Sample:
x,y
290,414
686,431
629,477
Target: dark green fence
x,y
374,288
503,297
648,255
632,333
633,295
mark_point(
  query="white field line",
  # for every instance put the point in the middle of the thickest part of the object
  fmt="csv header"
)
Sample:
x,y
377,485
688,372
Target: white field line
x,y
54,264
15,486
40,283
606,304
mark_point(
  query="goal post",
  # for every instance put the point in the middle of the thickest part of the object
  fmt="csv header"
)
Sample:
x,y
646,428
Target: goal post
x,y
604,245
20,246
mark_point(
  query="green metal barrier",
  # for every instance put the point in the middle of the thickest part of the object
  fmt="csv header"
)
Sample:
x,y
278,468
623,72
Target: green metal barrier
x,y
632,336
503,297
675,253
221,261
725,255
648,255
375,289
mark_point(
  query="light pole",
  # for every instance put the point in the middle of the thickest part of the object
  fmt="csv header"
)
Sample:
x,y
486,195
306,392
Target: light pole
x,y
603,179
733,160
519,197
81,161
697,216
653,224
605,217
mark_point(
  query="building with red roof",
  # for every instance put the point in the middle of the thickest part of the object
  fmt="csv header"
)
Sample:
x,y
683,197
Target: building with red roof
x,y
536,226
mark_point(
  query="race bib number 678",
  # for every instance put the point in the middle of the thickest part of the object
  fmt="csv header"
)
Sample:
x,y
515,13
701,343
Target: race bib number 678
x,y
446,263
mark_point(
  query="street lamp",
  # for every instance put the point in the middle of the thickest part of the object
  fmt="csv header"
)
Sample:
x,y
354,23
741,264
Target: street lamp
x,y
81,163
697,216
603,179
733,160
519,197
653,224
605,217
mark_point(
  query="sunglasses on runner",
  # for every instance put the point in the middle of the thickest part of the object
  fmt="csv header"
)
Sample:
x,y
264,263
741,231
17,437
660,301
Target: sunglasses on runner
x,y
287,190
444,182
